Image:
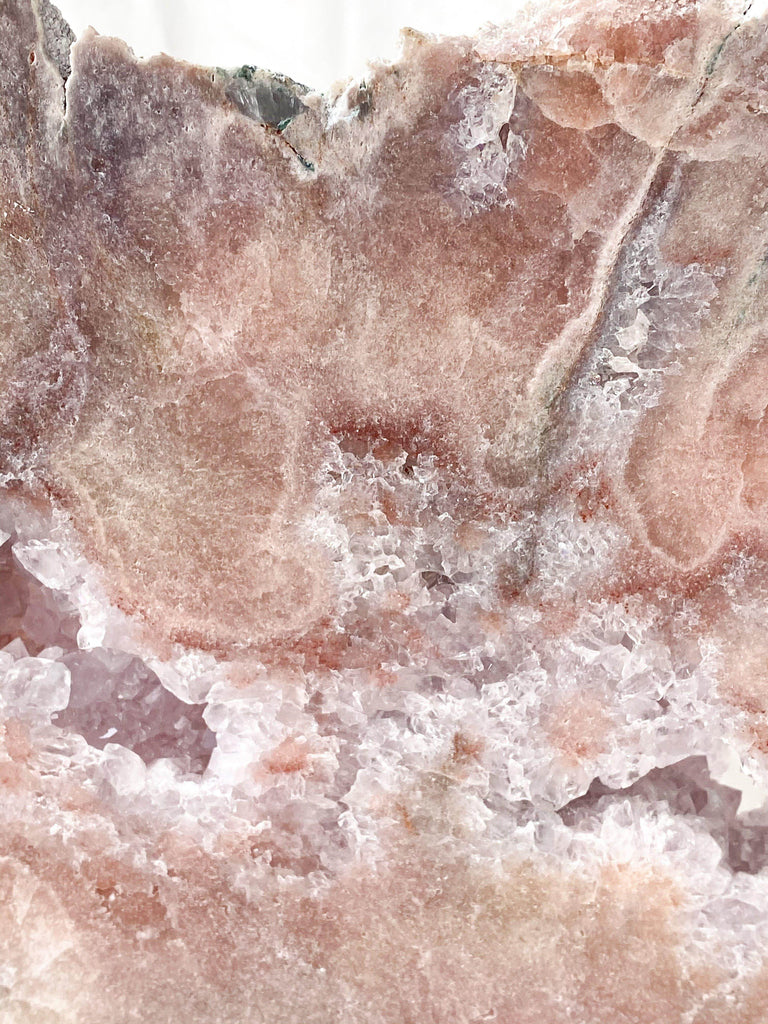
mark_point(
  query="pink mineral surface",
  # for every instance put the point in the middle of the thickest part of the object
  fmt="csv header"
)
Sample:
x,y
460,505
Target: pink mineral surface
x,y
384,528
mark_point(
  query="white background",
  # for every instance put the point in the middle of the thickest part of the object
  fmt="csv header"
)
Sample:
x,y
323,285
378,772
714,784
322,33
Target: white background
x,y
313,41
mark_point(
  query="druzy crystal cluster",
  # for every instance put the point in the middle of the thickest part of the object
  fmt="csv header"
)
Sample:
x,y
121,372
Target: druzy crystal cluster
x,y
384,522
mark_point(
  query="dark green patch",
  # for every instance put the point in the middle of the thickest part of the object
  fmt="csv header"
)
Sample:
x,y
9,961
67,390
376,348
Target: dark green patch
x,y
269,99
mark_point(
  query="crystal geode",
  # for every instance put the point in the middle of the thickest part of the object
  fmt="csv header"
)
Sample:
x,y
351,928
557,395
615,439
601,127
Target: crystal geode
x,y
384,576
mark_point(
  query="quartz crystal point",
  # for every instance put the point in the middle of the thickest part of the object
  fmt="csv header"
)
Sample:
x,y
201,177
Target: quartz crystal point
x,y
384,528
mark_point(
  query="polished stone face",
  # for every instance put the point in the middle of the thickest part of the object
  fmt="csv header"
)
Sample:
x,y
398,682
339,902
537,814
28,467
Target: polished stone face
x,y
384,522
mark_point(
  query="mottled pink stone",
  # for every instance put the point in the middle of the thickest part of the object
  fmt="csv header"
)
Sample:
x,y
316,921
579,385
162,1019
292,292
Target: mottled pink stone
x,y
384,528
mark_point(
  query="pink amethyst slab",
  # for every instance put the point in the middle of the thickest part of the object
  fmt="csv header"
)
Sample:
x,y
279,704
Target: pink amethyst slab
x,y
384,528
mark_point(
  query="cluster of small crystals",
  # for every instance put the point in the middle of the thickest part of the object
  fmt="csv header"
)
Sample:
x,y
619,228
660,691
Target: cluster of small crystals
x,y
476,721
649,318
488,149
